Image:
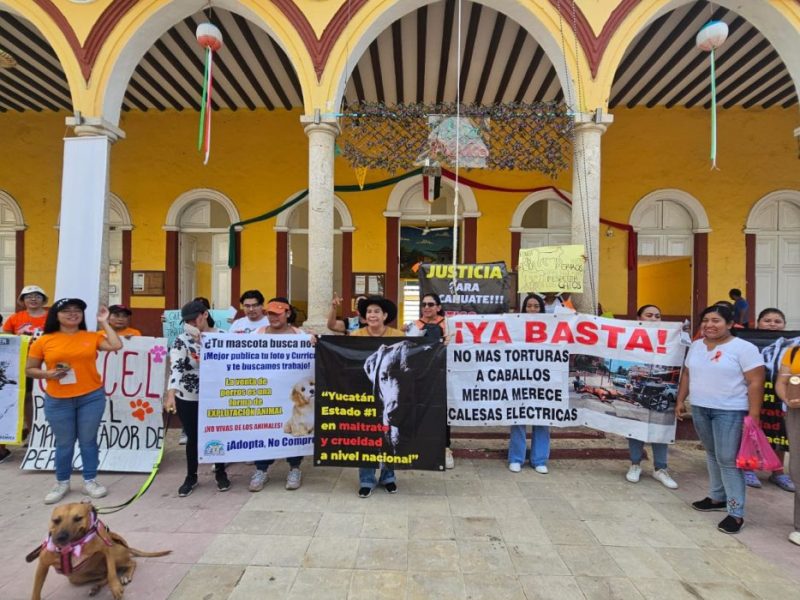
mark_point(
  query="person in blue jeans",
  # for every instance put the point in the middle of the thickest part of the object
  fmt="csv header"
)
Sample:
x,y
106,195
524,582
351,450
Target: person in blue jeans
x,y
540,434
723,377
649,312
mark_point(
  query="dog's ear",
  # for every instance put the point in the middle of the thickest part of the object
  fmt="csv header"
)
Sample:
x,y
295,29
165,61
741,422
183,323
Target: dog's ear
x,y
371,364
34,555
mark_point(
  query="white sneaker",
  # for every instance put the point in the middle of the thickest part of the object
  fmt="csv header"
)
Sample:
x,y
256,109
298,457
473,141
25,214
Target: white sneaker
x,y
93,489
294,479
60,489
541,469
183,438
667,481
634,473
257,480
449,461
794,537
514,467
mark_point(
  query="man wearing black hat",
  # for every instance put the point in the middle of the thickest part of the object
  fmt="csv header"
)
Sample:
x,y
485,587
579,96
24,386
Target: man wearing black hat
x,y
120,321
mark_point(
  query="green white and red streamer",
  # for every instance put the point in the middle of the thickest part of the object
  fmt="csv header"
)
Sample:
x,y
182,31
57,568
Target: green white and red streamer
x,y
210,38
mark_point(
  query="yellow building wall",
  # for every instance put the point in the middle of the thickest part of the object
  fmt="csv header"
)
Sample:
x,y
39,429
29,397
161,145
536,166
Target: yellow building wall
x,y
259,159
668,285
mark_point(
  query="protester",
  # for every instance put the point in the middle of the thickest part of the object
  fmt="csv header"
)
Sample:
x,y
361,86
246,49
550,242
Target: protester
x,y
772,319
252,302
183,389
280,315
120,321
723,378
649,312
75,399
377,312
740,308
540,434
552,301
345,324
790,367
431,324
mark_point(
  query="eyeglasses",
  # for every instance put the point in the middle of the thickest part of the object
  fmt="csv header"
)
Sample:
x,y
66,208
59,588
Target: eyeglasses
x,y
429,304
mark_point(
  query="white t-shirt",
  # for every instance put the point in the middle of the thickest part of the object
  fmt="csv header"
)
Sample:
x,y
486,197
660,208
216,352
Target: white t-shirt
x,y
716,377
245,325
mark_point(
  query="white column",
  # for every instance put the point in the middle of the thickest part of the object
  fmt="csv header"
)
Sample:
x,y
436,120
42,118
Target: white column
x,y
586,201
321,145
82,267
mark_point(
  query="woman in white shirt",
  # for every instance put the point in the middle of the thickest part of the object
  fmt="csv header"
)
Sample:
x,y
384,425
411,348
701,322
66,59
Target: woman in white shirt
x,y
723,377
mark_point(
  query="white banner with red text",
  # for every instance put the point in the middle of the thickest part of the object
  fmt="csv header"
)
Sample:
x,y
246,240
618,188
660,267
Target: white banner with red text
x,y
564,370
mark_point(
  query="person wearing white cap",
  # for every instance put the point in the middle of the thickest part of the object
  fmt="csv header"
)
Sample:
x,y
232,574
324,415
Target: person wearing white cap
x,y
29,321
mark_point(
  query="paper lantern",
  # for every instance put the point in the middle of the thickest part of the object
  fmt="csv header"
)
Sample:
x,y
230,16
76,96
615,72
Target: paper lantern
x,y
712,35
210,38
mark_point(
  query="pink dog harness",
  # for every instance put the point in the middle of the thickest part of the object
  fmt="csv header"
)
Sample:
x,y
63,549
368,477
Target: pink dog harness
x,y
75,548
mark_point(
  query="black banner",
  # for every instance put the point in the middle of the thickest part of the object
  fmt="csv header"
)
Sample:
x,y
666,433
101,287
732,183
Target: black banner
x,y
772,344
380,400
482,288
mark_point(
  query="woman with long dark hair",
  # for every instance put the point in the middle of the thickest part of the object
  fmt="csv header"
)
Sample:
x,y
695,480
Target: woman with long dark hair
x,y
75,399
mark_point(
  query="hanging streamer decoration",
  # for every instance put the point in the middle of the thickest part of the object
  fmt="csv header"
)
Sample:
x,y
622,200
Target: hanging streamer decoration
x,y
210,38
710,37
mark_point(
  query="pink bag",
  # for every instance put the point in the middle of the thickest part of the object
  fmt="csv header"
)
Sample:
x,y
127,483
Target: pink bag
x,y
755,453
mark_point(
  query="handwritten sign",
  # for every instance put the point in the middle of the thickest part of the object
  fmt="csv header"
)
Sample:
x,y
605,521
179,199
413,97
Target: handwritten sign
x,y
551,269
173,324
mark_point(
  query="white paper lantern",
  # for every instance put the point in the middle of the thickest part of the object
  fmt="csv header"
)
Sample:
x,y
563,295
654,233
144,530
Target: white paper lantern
x,y
209,36
712,35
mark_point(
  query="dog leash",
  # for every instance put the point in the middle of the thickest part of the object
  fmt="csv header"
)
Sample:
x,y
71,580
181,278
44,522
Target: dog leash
x,y
107,510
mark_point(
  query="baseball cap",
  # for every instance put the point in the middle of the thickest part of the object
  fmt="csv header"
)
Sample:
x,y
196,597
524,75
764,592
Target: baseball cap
x,y
120,308
192,310
32,289
63,303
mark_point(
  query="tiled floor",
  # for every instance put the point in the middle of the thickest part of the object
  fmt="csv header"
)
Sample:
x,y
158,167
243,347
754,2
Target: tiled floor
x,y
478,531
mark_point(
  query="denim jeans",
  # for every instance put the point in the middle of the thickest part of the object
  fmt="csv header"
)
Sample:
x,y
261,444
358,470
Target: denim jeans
x,y
540,445
366,476
74,419
721,434
294,463
636,448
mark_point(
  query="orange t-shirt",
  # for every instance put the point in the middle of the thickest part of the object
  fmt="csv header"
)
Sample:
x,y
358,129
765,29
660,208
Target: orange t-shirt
x,y
794,365
127,332
79,350
21,323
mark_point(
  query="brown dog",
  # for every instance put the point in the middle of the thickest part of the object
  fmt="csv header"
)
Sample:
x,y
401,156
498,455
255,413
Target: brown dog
x,y
81,547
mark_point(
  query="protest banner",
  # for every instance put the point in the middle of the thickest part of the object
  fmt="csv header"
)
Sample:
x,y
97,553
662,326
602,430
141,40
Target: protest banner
x,y
132,429
551,269
562,370
773,345
172,326
480,288
380,400
13,354
256,397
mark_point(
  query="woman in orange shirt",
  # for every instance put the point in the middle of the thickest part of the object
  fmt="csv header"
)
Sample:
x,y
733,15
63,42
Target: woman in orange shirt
x,y
66,356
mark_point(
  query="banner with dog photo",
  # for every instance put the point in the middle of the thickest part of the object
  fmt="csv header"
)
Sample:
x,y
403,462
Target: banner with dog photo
x,y
13,353
256,397
380,400
132,429
565,370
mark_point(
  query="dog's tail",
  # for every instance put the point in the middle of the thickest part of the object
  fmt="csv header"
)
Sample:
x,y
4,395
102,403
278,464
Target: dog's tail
x,y
136,552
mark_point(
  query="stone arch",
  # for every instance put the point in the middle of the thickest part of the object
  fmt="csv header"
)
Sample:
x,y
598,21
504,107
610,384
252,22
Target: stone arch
x,y
540,20
118,214
10,213
776,23
412,187
692,205
187,198
119,58
282,220
759,219
530,200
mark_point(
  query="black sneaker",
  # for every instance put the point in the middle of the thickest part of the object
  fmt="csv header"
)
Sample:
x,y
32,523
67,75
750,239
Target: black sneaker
x,y
731,524
707,505
391,487
223,483
5,454
364,492
188,486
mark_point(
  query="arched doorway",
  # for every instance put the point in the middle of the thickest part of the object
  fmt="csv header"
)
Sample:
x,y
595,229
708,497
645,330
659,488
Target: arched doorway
x,y
773,255
201,220
119,251
292,239
12,231
422,231
672,245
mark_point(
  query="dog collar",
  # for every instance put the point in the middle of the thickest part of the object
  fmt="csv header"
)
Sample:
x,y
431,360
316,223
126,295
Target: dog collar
x,y
75,548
